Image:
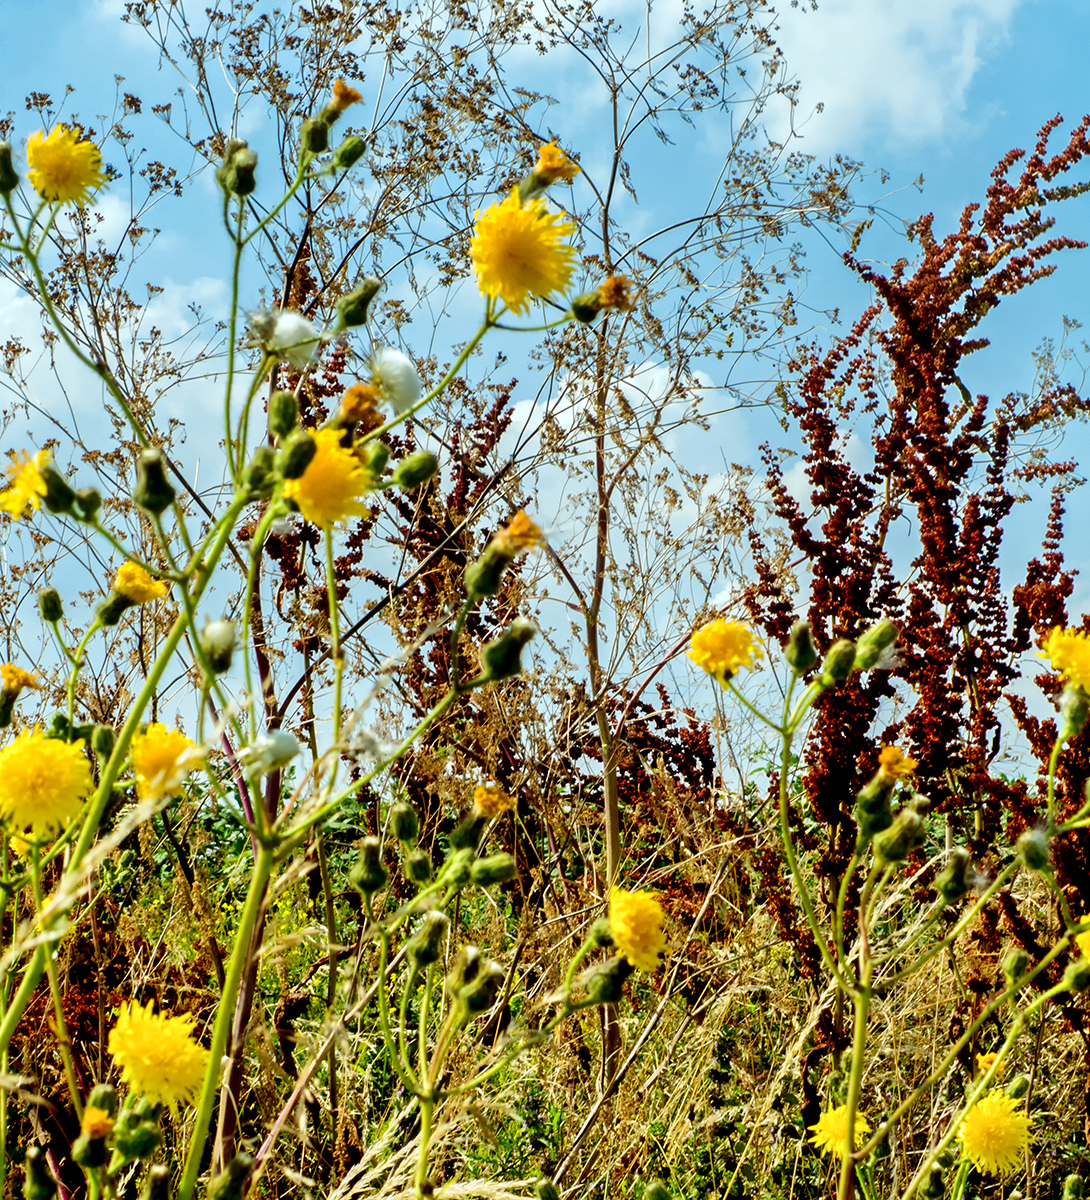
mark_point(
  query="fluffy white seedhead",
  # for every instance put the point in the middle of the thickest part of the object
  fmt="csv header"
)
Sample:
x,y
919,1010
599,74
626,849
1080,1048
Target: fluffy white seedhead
x,y
270,752
395,378
288,335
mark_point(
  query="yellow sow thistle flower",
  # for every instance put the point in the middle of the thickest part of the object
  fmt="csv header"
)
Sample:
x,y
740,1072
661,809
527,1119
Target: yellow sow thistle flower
x,y
553,164
1082,940
64,169
895,765
161,760
517,252
636,920
329,490
137,586
1068,651
490,800
994,1133
831,1131
343,96
43,782
96,1122
158,1056
722,648
26,487
520,533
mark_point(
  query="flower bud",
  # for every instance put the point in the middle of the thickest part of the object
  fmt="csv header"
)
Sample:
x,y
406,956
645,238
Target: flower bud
x,y
218,643
1016,964
464,970
259,478
497,868
934,1186
349,152
103,740
314,135
153,492
230,1183
902,837
50,605
601,934
605,984
1017,1087
236,176
801,652
89,500
456,868
480,994
103,1096
1077,975
369,874
157,1183
1033,849
1073,1187
483,577
404,823
838,662
468,833
415,470
871,645
952,882
656,1190
417,866
37,1182
374,455
296,454
545,1189
59,498
136,1134
9,180
502,658
1074,709
426,945
352,309
283,413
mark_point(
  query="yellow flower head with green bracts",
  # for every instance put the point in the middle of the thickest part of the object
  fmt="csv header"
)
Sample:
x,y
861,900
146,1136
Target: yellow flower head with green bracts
x,y
43,782
831,1131
331,487
136,585
158,1056
994,1133
26,487
161,759
636,922
722,648
64,168
1068,650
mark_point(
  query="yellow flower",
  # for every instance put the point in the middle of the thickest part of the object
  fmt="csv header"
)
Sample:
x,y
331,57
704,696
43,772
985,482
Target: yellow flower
x,y
517,252
96,1122
520,533
158,1056
613,292
490,800
985,1062
162,758
635,920
343,96
554,164
994,1133
329,489
43,781
359,405
1082,940
14,678
722,647
895,765
831,1131
136,585
64,169
1069,653
25,482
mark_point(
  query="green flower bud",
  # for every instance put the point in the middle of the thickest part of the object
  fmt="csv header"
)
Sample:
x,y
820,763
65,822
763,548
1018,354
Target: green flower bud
x,y
157,1183
314,135
89,1152
902,837
1073,1187
237,175
468,834
605,984
1077,975
59,498
283,413
426,945
375,455
464,970
103,739
296,454
1017,1087
601,934
656,1190
218,642
873,643
136,1134
1074,709
497,868
587,306
50,605
111,610
481,992
952,882
1033,849
9,180
369,874
1016,964
89,500
103,1095
414,471
483,577
153,493
417,866
260,477
230,1183
545,1189
934,1186
801,652
349,152
502,658
457,868
352,309
404,823
838,662
37,1182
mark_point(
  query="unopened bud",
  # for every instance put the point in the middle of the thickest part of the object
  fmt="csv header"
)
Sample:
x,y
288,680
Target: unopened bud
x,y
89,500
1017,1087
1074,709
1077,975
37,1182
502,658
230,1184
902,837
157,1183
1073,1187
415,470
260,476
426,945
1016,964
952,882
136,1133
457,867
59,498
103,740
50,605
497,868
838,662
218,643
464,970
934,1185
605,984
404,823
656,1190
237,175
296,454
154,492
9,180
352,309
283,413
369,874
103,1096
349,152
1033,849
314,135
480,994
801,652
417,866
374,455
873,643
545,1189
601,934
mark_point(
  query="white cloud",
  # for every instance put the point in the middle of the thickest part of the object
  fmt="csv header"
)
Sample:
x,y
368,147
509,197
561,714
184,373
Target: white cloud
x,y
886,70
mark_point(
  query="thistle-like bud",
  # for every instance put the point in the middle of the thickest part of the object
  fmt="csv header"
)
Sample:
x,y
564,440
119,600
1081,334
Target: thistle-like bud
x,y
59,498
1077,975
103,1096
1074,709
37,1182
369,874
1017,1087
904,835
952,882
838,662
1016,964
456,868
1033,849
934,1186
374,455
352,309
426,945
314,135
545,1189
415,470
153,492
260,476
237,175
136,1134
50,605
497,868
801,651
218,642
502,658
270,751
103,740
89,500
404,823
873,643
601,934
605,984
283,413
464,970
230,1183
157,1183
480,994
349,152
467,834
656,1190
417,866
1073,1187
296,454
9,180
